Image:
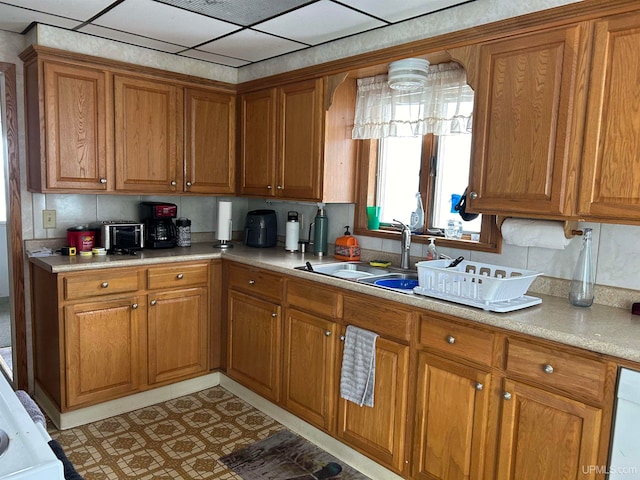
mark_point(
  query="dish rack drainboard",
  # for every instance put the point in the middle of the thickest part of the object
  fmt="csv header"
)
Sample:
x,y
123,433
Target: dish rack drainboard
x,y
481,285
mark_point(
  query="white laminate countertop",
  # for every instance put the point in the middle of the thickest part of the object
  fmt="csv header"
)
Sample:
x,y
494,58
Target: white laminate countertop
x,y
602,329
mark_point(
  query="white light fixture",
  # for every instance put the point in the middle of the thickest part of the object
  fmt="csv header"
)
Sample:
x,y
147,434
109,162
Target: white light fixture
x,y
408,74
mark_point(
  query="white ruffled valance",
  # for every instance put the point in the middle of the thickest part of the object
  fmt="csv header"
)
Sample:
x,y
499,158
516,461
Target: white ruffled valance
x,y
444,106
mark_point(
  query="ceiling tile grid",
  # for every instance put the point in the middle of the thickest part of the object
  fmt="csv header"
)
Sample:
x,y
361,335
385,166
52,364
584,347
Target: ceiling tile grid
x,y
233,33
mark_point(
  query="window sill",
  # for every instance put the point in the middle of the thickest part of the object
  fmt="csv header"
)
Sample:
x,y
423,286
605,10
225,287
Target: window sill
x,y
465,243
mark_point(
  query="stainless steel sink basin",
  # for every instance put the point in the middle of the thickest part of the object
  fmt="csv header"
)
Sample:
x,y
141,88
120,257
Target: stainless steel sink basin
x,y
348,270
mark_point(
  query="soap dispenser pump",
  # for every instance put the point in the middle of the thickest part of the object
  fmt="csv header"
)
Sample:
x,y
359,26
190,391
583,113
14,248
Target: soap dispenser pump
x,y
432,252
347,247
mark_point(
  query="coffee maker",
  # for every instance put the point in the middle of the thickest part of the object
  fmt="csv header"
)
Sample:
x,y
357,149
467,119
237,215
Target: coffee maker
x,y
159,229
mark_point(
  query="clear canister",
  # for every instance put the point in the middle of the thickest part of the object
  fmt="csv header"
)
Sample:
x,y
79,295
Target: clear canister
x,y
183,227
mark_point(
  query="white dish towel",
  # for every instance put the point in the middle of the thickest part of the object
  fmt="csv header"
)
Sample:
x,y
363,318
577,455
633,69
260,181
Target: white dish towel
x,y
357,378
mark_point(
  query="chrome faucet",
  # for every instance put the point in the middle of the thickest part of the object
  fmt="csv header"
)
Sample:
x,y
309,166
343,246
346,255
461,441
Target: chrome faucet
x,y
405,245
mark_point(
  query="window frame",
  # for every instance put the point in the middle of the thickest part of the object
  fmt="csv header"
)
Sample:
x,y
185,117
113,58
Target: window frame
x,y
367,160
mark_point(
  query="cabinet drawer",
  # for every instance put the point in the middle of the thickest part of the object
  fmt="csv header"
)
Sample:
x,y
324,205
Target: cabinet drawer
x,y
454,339
561,370
177,275
378,316
100,282
324,301
255,282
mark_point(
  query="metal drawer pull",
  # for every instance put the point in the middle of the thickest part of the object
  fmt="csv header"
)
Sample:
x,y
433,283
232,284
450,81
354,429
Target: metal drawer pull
x,y
479,386
548,368
342,338
251,282
473,195
327,333
104,284
103,181
134,306
451,339
274,315
506,396
153,302
173,183
179,276
269,187
279,187
189,184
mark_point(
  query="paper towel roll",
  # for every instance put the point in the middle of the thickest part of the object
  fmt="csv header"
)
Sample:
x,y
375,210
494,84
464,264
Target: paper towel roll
x,y
534,233
225,223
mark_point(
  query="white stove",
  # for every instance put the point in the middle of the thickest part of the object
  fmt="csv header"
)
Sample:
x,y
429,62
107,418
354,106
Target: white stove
x,y
27,455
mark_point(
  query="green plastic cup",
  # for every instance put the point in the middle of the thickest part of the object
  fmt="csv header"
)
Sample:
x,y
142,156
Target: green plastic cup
x,y
373,218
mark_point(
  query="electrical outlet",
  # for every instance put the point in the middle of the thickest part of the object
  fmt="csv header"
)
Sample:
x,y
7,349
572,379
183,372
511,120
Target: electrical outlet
x,y
49,219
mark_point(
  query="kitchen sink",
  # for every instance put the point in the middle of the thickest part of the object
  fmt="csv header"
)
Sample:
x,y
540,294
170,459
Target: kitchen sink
x,y
348,270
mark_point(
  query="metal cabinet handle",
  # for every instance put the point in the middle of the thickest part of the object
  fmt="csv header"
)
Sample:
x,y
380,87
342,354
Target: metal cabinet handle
x,y
104,284
473,195
269,187
342,338
189,184
506,396
134,306
153,302
251,282
548,368
180,276
451,339
274,315
327,333
173,183
279,187
479,386
103,180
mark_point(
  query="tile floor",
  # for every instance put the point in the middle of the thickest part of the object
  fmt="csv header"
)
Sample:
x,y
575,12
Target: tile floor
x,y
177,439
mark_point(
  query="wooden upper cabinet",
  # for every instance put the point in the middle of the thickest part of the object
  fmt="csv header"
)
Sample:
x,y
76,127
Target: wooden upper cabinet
x,y
296,141
299,140
526,139
209,142
610,183
148,135
258,134
69,145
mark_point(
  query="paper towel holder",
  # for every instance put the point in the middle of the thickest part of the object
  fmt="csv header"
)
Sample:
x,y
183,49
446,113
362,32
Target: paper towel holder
x,y
570,227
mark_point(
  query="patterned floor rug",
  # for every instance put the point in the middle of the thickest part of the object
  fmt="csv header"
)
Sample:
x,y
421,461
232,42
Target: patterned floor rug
x,y
287,456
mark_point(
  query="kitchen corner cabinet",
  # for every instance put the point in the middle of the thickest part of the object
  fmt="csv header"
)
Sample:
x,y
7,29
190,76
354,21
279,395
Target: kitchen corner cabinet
x,y
106,333
609,187
68,113
254,329
296,141
529,103
148,135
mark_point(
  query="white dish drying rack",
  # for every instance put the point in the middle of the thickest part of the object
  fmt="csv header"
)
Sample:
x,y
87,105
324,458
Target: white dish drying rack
x,y
481,285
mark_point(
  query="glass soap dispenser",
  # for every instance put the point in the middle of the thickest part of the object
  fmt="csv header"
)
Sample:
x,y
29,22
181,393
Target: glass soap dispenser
x,y
581,291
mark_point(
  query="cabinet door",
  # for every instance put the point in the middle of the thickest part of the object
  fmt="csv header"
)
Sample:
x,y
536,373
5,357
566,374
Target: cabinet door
x,y
178,334
210,142
104,343
254,344
544,435
148,126
78,148
610,187
310,367
258,154
524,151
300,136
379,431
451,420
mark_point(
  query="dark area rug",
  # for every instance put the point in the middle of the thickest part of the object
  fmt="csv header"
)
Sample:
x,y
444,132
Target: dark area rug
x,y
287,456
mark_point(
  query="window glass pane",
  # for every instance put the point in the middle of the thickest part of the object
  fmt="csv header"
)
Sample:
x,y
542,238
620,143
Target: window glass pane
x,y
452,177
398,177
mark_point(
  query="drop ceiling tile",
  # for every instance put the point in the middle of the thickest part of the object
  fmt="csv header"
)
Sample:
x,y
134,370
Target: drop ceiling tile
x,y
76,9
212,57
241,12
320,22
15,19
130,38
163,22
251,46
398,11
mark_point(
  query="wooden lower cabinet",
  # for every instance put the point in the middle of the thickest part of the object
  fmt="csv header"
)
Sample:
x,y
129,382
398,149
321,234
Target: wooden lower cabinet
x,y
254,347
379,431
545,435
451,420
310,346
177,334
104,342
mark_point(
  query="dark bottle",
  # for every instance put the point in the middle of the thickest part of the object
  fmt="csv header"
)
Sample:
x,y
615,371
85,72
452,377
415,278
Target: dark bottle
x,y
321,229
